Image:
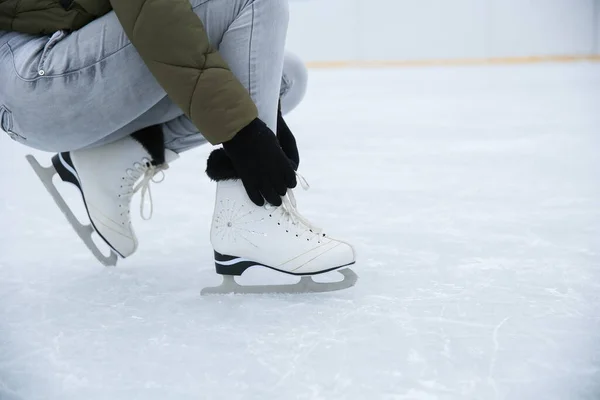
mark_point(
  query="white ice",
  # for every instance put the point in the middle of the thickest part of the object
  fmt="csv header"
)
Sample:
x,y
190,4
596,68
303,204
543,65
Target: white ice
x,y
472,195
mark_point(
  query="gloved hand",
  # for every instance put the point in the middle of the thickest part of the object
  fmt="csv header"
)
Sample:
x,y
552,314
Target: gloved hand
x,y
287,140
261,164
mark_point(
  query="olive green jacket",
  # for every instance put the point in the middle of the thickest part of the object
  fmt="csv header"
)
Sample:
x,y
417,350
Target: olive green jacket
x,y
173,43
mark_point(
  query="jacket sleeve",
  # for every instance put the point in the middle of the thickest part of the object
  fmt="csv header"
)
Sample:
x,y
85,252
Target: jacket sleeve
x,y
173,43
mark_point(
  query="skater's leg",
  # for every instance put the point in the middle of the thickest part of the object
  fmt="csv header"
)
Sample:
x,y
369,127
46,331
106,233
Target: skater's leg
x,y
180,132
66,92
182,135
91,84
253,47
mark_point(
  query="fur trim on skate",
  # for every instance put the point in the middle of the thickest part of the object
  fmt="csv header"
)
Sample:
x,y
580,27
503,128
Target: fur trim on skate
x,y
219,167
152,138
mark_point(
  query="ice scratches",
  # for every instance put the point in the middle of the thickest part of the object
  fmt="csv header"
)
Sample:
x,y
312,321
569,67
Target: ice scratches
x,y
494,356
426,288
412,394
304,346
301,353
26,356
8,394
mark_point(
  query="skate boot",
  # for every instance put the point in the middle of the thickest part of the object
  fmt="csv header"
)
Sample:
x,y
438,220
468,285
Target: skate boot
x,y
245,235
106,176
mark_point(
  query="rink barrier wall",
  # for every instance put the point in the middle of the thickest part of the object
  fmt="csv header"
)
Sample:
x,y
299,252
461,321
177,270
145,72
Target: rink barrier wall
x,y
363,30
451,62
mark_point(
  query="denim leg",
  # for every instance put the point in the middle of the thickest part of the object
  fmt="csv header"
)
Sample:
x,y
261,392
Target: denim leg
x,y
67,94
253,46
181,134
91,87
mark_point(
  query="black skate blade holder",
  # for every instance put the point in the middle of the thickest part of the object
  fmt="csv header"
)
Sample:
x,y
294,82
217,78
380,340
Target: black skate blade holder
x,y
46,174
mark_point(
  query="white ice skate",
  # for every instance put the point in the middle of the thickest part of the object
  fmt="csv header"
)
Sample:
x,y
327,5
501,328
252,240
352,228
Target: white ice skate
x,y
106,177
244,235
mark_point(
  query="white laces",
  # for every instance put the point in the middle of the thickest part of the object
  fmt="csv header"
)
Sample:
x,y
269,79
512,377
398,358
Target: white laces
x,y
291,217
149,172
304,184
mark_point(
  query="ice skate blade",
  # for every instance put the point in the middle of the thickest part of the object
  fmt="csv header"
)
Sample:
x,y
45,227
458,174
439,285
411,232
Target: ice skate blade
x,y
83,231
306,285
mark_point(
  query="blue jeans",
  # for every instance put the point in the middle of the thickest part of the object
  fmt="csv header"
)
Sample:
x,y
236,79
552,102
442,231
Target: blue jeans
x,y
83,89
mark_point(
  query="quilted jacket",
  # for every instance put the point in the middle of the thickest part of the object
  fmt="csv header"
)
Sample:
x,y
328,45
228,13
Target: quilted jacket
x,y
171,40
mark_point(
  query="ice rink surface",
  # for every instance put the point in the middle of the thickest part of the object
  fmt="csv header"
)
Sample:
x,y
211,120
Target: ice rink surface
x,y
472,195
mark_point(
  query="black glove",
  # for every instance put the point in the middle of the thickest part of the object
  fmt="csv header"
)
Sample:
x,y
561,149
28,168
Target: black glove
x,y
287,140
261,164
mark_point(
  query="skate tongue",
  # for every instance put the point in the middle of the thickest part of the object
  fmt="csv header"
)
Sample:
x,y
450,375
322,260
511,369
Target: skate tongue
x,y
144,186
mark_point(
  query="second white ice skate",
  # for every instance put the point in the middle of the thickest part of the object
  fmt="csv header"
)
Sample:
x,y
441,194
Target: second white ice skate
x,y
106,176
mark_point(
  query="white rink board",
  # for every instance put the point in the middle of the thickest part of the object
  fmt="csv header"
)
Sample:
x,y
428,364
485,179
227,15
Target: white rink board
x,y
405,30
472,195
